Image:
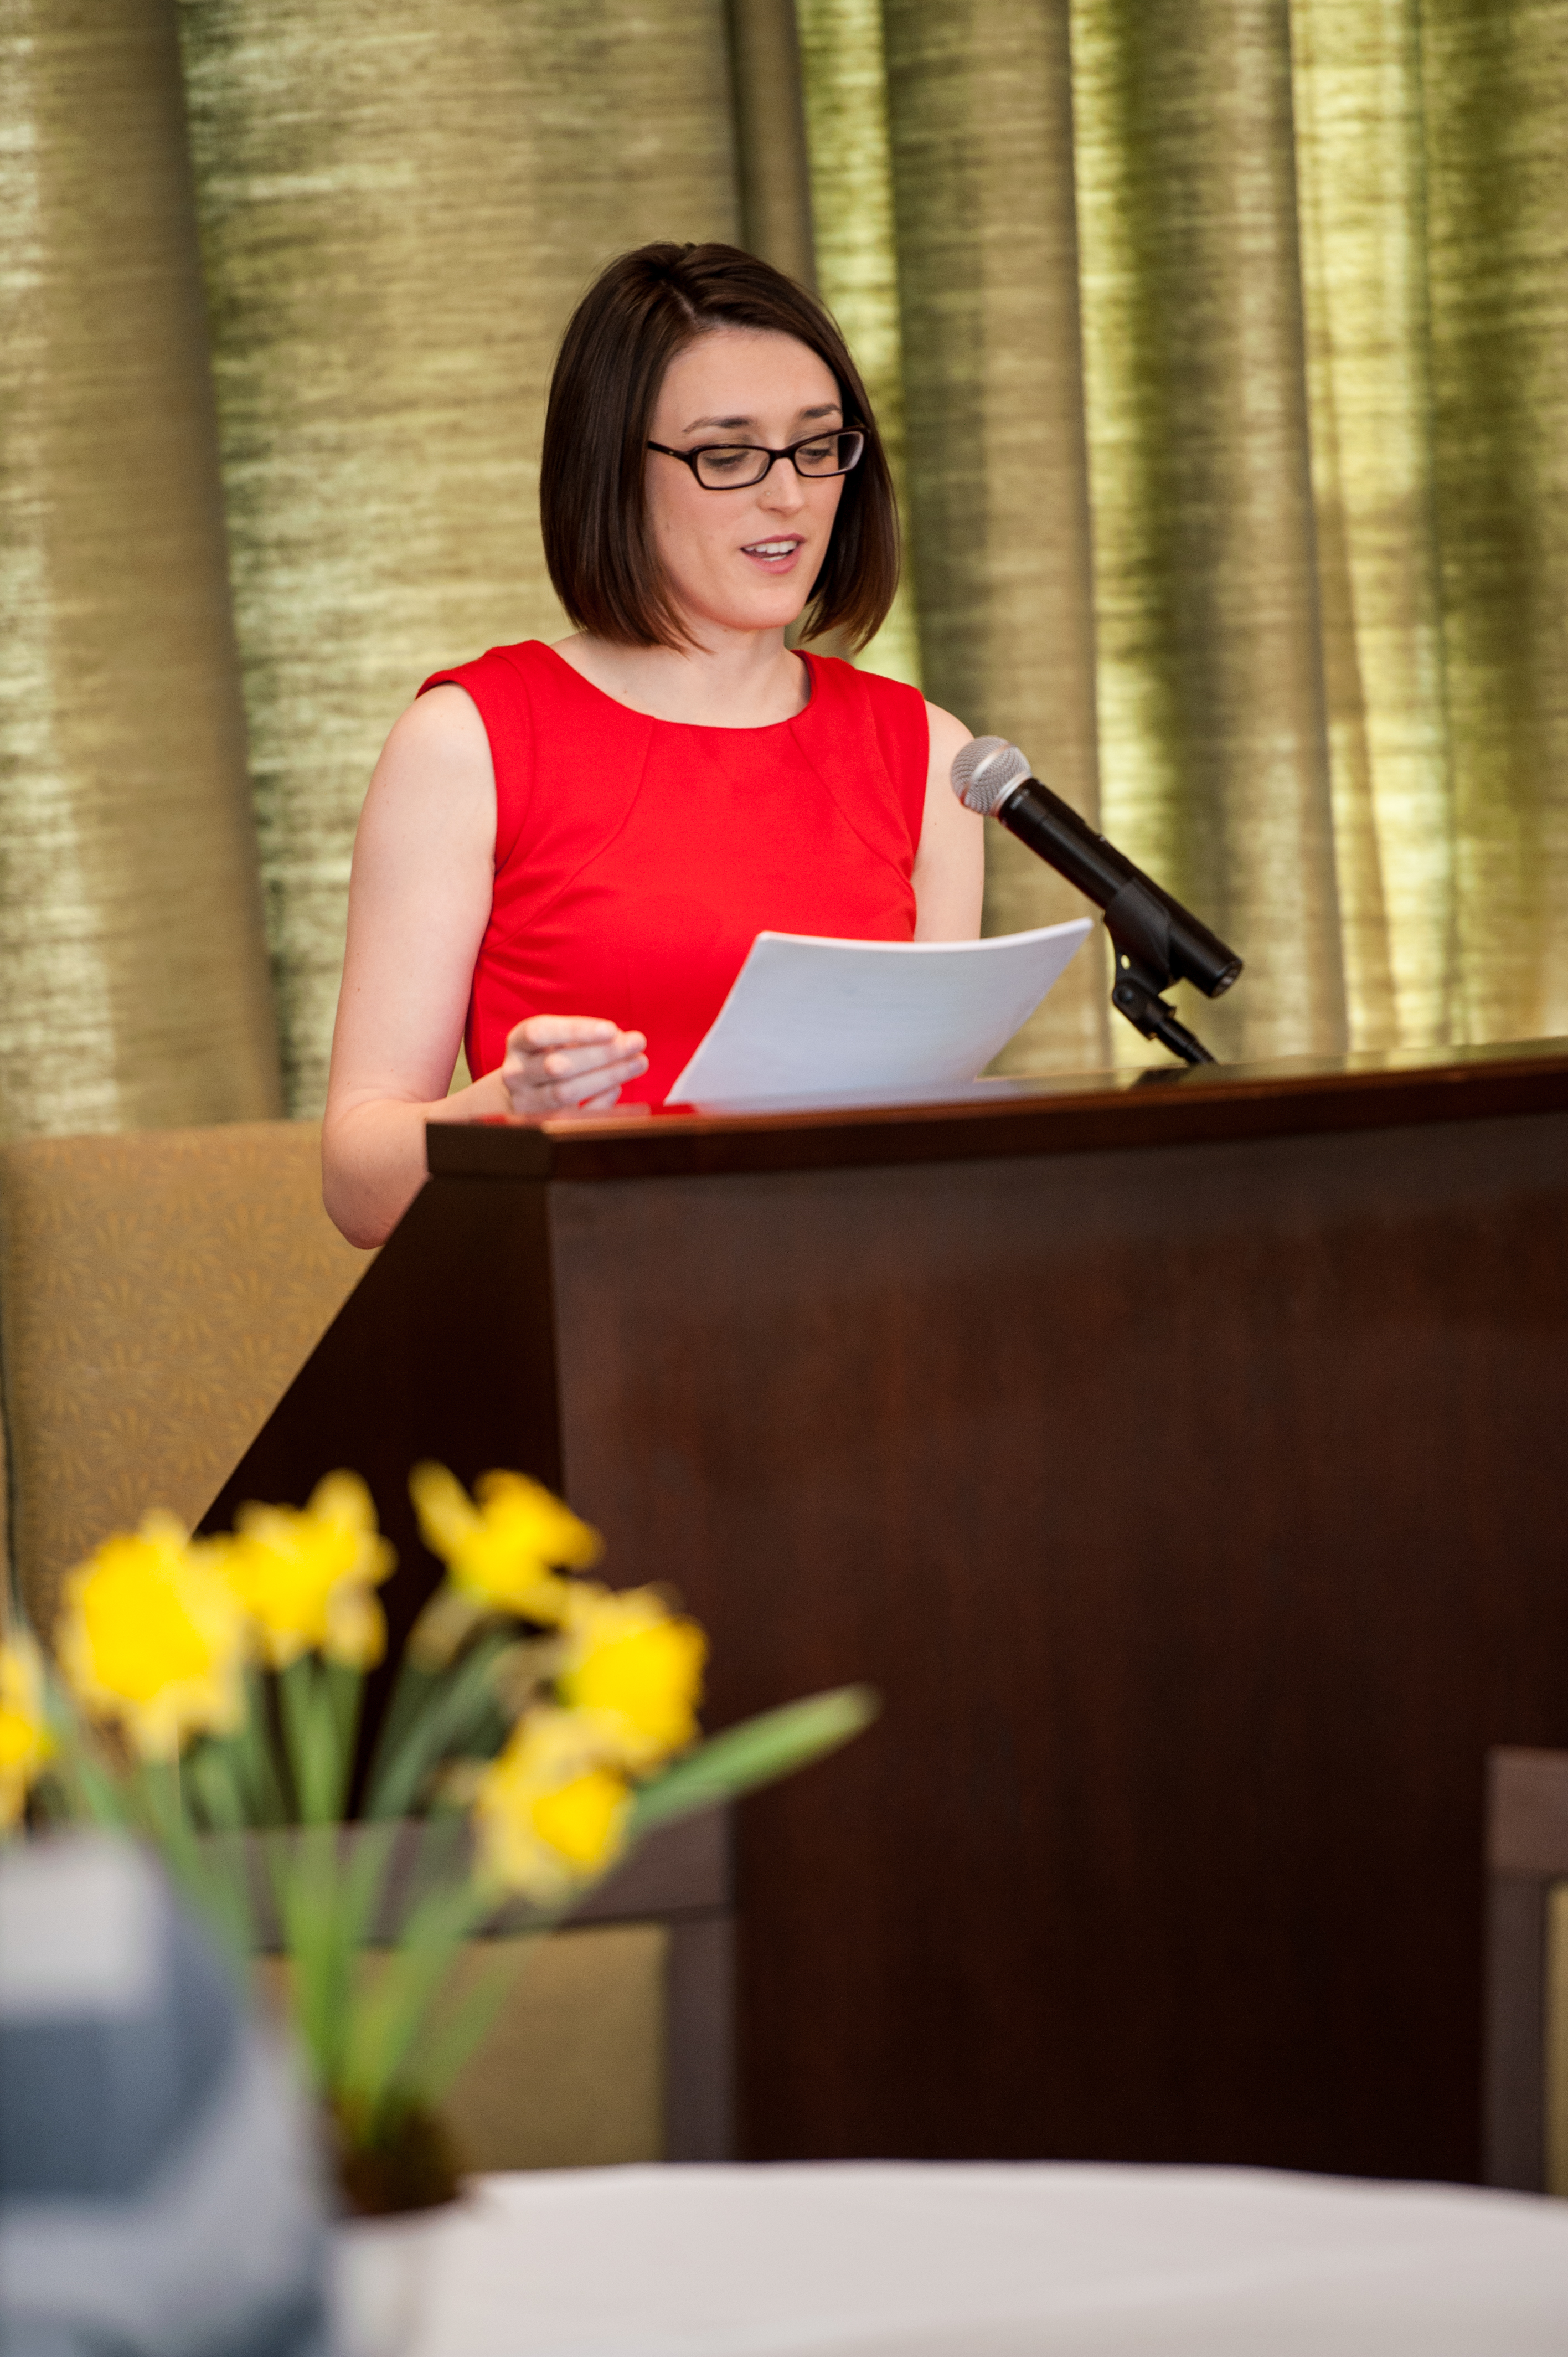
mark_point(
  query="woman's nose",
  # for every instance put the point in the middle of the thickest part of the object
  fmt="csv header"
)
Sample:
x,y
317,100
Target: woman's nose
x,y
782,489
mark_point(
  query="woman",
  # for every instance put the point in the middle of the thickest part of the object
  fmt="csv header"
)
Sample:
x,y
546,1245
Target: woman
x,y
567,851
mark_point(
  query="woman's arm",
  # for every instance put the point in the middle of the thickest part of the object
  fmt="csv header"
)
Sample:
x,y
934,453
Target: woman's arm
x,y
950,866
419,901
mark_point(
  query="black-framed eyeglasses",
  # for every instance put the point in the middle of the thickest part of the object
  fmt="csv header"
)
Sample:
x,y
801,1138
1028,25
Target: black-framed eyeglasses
x,y
738,465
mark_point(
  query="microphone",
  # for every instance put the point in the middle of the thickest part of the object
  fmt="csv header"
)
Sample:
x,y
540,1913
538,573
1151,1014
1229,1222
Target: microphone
x,y
1157,941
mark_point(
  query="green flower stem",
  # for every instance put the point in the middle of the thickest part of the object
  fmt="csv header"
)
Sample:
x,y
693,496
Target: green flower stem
x,y
255,1761
212,1775
304,1862
412,1690
757,1752
209,1874
344,1690
318,1758
436,1725
90,1788
385,2025
327,1883
450,2044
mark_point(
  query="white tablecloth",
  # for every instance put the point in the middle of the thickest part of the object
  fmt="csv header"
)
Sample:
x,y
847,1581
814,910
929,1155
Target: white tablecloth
x,y
1030,2260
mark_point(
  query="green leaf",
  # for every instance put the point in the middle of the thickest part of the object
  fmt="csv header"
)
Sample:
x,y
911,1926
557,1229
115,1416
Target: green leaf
x,y
319,1745
387,2019
305,1867
437,1728
452,2041
255,1758
410,1693
210,1774
758,1752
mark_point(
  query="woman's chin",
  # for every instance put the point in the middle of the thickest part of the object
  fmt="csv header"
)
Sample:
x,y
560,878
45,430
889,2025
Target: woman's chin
x,y
749,617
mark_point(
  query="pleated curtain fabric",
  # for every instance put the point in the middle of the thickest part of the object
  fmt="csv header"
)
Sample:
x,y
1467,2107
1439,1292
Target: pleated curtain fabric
x,y
1214,764
980,107
843,66
1223,347
134,985
1494,95
400,205
1434,164
1234,338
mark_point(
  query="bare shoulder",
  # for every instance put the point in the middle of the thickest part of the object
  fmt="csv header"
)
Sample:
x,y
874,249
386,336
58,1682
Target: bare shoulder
x,y
441,725
435,775
947,734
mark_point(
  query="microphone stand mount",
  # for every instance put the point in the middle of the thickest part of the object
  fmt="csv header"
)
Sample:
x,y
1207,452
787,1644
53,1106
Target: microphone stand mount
x,y
1139,927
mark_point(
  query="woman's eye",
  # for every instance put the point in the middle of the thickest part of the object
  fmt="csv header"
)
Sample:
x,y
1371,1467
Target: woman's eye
x,y
819,454
725,462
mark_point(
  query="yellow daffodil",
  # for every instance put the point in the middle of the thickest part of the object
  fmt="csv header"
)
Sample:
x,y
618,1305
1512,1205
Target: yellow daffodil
x,y
306,1577
25,1744
548,1812
503,1555
637,1669
153,1635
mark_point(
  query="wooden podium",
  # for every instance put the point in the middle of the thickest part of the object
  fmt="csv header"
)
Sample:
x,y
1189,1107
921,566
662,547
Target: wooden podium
x,y
1182,1459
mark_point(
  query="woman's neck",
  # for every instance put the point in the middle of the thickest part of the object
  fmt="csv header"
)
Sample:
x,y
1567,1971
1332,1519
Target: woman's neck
x,y
749,681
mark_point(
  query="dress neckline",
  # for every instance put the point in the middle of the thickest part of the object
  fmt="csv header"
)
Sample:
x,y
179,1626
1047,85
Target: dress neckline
x,y
704,727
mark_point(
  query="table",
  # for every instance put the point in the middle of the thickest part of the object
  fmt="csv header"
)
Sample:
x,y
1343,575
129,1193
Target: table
x,y
983,2260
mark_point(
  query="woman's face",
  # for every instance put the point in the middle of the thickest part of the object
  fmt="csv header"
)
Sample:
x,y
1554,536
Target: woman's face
x,y
742,560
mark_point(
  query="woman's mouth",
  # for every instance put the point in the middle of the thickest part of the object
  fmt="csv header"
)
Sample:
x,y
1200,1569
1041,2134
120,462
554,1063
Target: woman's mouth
x,y
776,554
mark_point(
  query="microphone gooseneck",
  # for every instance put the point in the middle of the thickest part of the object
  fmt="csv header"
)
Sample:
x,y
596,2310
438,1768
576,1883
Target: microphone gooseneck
x,y
1156,941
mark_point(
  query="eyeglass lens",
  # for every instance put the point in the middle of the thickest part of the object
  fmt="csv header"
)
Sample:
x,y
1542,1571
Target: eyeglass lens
x,y
738,463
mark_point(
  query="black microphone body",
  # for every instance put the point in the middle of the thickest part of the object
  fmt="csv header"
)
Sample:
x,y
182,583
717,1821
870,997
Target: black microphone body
x,y
1138,911
1157,942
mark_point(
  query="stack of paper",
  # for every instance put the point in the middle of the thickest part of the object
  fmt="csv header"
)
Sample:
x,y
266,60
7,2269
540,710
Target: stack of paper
x,y
813,1020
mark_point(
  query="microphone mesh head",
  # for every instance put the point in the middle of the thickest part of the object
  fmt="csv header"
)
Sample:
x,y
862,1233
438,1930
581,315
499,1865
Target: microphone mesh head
x,y
985,771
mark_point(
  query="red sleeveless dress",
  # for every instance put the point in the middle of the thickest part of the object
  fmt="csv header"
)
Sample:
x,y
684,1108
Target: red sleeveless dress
x,y
637,859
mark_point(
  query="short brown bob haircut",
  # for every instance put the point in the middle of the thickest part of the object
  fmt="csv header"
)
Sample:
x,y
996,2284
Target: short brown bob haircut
x,y
640,312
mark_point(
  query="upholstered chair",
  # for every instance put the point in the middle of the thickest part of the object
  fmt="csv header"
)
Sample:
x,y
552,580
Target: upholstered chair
x,y
158,1292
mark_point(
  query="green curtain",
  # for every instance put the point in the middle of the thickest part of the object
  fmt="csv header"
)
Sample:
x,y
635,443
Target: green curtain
x,y
1223,347
1494,98
980,107
1235,348
400,204
851,189
133,979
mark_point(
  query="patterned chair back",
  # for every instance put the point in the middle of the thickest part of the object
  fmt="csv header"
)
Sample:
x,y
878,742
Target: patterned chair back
x,y
158,1292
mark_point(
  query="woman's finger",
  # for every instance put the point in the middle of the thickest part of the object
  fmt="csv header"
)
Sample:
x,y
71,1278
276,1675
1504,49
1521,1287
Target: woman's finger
x,y
537,1091
560,1030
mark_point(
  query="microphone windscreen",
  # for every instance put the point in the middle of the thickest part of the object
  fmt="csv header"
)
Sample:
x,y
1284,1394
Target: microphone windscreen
x,y
984,772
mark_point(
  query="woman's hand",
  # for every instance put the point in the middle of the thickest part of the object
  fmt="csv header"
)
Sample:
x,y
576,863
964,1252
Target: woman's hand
x,y
579,1064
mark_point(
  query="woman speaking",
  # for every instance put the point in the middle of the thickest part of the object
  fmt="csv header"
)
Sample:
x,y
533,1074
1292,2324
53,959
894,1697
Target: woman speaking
x,y
567,851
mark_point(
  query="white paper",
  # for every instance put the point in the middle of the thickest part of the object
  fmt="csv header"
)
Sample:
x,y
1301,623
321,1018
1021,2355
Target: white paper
x,y
812,1019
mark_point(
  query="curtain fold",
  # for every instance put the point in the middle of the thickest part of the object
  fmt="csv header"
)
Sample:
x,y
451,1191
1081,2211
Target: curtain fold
x,y
844,72
980,109
1495,103
134,987
1223,349
1215,770
400,206
772,162
1362,180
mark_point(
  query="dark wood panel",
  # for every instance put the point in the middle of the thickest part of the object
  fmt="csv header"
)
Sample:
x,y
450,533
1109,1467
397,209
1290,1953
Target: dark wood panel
x,y
1515,2122
1072,1114
1197,1513
447,1349
1195,1504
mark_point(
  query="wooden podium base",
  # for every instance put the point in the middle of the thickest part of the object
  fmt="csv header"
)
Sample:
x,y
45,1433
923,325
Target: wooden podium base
x,y
1184,1462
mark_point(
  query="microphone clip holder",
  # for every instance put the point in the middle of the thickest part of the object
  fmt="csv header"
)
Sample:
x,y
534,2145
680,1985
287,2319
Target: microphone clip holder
x,y
1139,928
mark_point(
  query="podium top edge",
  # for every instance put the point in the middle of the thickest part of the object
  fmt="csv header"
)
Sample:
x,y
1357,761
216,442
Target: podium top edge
x,y
1059,1113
